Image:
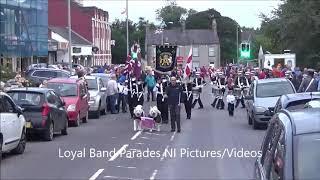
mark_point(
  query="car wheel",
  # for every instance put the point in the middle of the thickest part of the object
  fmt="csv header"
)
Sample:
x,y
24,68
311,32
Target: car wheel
x,y
255,124
0,149
48,135
64,131
85,119
249,118
97,116
77,122
22,144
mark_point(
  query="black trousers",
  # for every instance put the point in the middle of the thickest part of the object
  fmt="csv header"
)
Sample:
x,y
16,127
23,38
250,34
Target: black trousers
x,y
163,108
175,116
123,102
199,101
132,102
188,106
231,109
220,104
242,102
150,91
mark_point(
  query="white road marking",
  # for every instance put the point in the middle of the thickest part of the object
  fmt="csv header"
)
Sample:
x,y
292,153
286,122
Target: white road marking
x,y
172,137
145,138
127,167
136,135
140,143
116,177
114,137
154,174
95,175
163,154
155,134
118,152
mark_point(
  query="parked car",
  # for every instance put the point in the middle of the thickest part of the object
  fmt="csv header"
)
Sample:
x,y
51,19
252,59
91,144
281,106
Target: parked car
x,y
39,65
43,109
264,94
98,96
104,77
290,149
293,102
313,104
37,76
75,94
12,126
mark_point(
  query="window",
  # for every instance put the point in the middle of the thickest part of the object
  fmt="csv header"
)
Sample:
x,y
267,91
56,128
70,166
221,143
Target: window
x,y
277,166
195,51
51,98
47,74
211,51
64,89
23,98
274,89
92,84
6,106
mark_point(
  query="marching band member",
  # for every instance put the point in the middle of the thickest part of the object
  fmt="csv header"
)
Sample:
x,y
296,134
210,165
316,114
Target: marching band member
x,y
241,83
222,88
198,83
162,101
188,97
132,95
139,91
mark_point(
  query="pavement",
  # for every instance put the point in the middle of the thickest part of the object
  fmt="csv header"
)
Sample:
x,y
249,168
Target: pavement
x,y
221,143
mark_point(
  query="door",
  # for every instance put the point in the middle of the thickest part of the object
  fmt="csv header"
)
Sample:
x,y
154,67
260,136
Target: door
x,y
54,113
8,124
61,121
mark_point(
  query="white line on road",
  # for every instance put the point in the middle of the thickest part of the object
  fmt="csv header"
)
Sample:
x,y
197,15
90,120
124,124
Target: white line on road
x,y
118,152
155,134
136,135
130,167
154,174
93,177
172,137
163,154
116,177
140,143
145,138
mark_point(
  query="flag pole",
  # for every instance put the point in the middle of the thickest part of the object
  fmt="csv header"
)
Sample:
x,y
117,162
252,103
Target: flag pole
x,y
127,13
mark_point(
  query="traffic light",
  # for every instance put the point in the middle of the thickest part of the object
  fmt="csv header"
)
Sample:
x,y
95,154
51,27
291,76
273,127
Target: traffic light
x,y
245,50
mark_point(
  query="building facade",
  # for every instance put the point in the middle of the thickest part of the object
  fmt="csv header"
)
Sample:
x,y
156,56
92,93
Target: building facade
x,y
91,23
23,33
204,42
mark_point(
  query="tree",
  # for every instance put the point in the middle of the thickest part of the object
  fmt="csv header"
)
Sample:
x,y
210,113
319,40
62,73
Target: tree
x,y
171,15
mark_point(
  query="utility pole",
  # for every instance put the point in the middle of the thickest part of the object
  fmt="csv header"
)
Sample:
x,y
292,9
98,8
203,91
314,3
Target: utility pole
x,y
237,32
69,34
127,13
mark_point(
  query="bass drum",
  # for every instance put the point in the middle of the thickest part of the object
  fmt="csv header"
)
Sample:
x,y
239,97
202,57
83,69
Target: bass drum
x,y
195,93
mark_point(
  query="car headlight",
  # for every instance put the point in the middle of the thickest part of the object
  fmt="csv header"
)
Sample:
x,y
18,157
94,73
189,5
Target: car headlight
x,y
71,107
260,109
93,98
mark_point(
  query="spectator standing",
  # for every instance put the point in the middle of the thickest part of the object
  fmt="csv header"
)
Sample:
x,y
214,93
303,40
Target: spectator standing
x,y
112,92
150,83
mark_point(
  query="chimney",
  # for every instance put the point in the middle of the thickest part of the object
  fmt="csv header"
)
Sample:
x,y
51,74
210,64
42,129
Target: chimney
x,y
183,26
214,24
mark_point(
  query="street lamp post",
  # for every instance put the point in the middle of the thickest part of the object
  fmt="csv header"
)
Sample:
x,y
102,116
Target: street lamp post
x,y
237,32
69,34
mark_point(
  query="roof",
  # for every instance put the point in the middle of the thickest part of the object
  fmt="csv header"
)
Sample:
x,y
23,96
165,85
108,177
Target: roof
x,y
247,35
30,89
176,36
86,77
305,121
270,80
287,98
63,80
76,38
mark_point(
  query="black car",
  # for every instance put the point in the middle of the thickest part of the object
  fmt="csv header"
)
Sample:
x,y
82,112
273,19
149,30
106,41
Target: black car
x,y
293,102
44,111
37,76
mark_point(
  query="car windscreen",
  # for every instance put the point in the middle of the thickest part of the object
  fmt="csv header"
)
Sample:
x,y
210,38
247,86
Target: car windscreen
x,y
64,89
295,105
306,156
24,98
274,89
92,84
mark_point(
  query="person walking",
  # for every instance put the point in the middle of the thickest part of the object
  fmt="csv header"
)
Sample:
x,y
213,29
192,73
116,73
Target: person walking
x,y
150,82
309,83
174,95
112,92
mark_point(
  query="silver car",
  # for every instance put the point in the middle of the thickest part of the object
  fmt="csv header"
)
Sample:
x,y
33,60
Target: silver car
x,y
290,149
98,96
264,94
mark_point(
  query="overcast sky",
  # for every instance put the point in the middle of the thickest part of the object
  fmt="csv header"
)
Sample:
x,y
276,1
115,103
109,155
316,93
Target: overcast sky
x,y
245,12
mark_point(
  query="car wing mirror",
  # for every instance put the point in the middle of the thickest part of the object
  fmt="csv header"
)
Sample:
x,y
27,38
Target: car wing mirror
x,y
268,113
19,110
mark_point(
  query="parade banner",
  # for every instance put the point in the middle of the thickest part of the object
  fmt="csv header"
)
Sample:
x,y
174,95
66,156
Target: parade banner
x,y
165,58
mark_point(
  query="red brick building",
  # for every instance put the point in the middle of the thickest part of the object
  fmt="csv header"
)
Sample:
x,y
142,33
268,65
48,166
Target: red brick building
x,y
91,23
